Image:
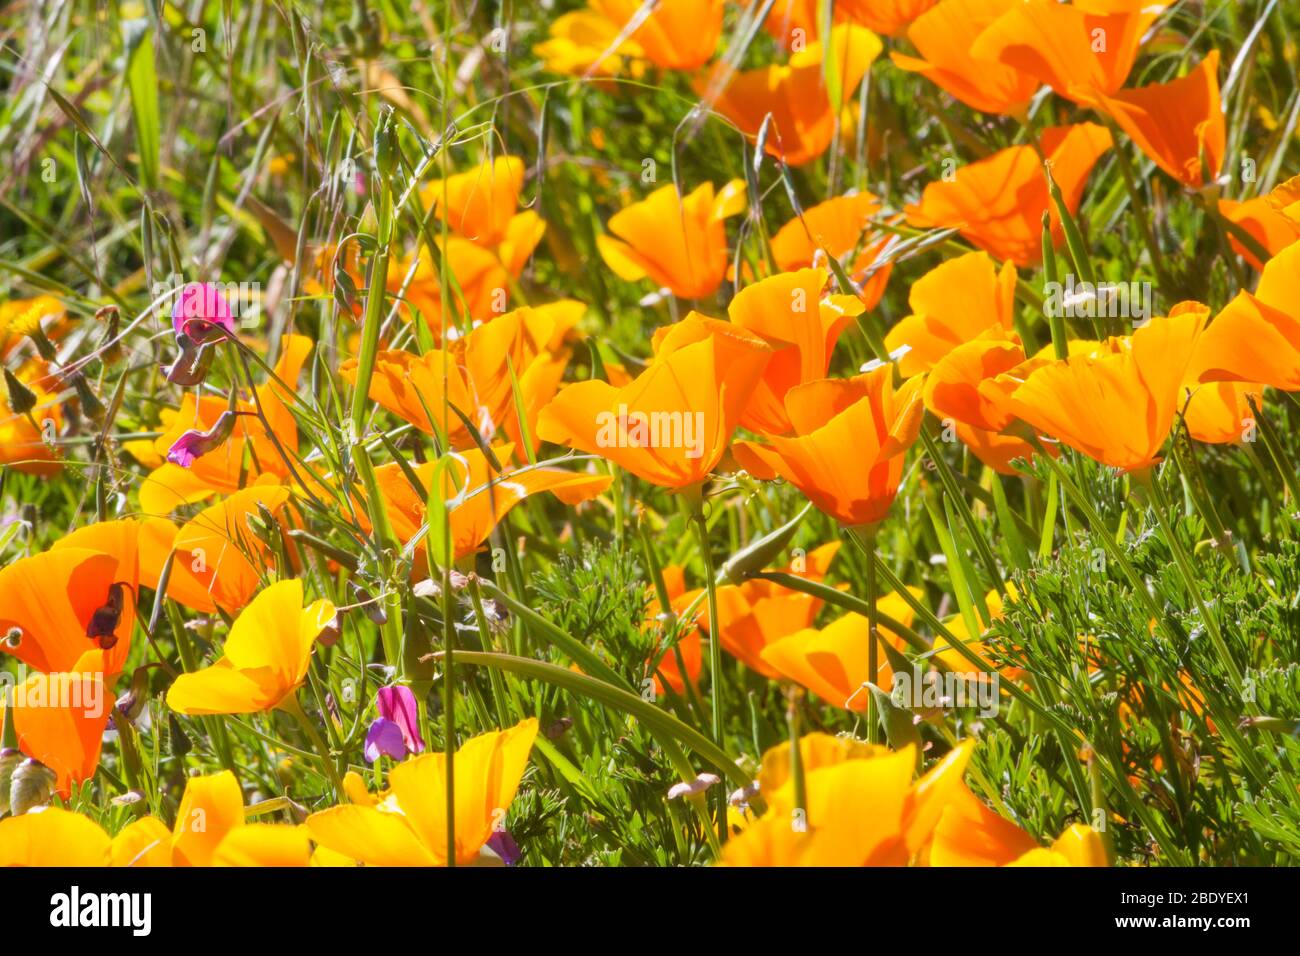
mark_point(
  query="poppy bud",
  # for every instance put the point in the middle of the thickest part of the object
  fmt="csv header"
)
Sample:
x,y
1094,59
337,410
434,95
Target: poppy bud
x,y
21,399
757,555
90,403
385,145
32,785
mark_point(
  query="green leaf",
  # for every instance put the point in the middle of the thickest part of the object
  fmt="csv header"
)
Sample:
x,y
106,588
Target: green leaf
x,y
142,80
657,721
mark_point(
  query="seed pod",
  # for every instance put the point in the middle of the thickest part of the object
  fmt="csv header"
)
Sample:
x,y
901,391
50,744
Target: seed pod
x,y
21,398
32,785
9,761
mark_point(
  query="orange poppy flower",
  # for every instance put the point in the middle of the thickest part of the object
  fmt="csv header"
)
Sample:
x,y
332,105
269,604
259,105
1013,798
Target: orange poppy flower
x,y
677,35
1256,338
792,23
479,204
69,609
789,312
60,719
850,436
1078,53
837,226
951,304
1117,404
680,244
889,17
472,374
1266,225
22,437
1219,413
583,41
264,659
970,834
477,496
407,826
795,95
952,389
1285,199
671,424
836,832
53,837
210,831
248,453
834,662
219,560
998,203
943,35
688,644
1176,123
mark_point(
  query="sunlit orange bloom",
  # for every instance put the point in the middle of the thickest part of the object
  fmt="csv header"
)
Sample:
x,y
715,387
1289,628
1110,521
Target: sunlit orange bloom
x,y
1176,123
839,227
677,35
583,41
943,36
479,204
407,824
22,437
60,719
756,614
248,453
51,604
671,424
1266,225
970,834
952,389
472,374
836,832
219,560
1285,199
793,23
1077,53
751,615
52,837
795,94
478,497
847,452
790,312
995,449
951,304
1078,845
834,662
210,831
1220,413
958,662
688,644
998,202
1117,404
889,17
264,658
680,244
1256,338
19,317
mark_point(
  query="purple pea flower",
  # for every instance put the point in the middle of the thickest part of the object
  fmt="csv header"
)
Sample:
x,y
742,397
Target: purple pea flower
x,y
503,845
199,309
384,737
398,705
196,443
